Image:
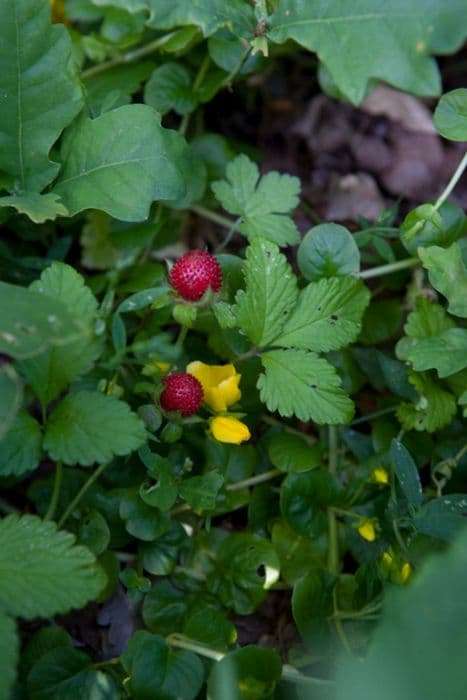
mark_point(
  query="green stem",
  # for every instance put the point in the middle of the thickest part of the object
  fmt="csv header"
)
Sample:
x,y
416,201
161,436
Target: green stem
x,y
375,414
196,85
255,480
389,268
229,236
181,336
83,490
56,492
212,216
236,69
130,56
452,182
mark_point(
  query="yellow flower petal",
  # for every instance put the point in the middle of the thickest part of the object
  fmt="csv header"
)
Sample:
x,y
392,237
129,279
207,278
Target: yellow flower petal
x,y
228,429
367,531
219,382
380,475
406,571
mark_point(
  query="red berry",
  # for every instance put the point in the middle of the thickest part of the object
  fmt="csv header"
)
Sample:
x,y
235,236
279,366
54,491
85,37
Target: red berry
x,y
194,273
183,393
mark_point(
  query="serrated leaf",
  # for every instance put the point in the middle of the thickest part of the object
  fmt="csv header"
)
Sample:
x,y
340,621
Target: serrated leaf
x,y
328,250
434,409
171,87
407,473
448,275
271,292
120,163
43,571
40,91
262,203
61,281
327,315
20,448
358,43
11,396
450,115
428,320
302,384
38,207
89,427
9,654
447,353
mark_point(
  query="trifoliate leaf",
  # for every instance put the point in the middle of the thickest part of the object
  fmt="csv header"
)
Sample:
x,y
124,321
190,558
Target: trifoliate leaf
x,y
301,383
271,292
448,275
20,449
43,571
447,353
450,115
9,654
327,316
89,427
262,203
39,207
434,409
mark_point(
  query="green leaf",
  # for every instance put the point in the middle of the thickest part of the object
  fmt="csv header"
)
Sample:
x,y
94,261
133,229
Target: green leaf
x,y
434,409
68,674
448,275
327,315
93,532
425,226
201,491
301,383
40,91
165,608
207,624
120,163
41,642
328,250
450,115
20,449
171,87
363,42
297,554
141,300
39,207
447,353
250,673
32,322
43,571
141,521
262,203
303,498
11,396
443,517
89,427
208,15
429,320
121,82
9,654
292,453
271,292
407,473
61,281
381,322
160,556
312,603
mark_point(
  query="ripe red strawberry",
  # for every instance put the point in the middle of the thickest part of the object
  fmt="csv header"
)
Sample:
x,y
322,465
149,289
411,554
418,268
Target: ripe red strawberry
x,y
194,273
182,393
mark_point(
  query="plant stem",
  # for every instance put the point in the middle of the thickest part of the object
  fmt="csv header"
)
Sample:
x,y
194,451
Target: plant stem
x,y
229,235
196,85
83,490
389,268
56,492
452,182
129,57
181,336
212,216
375,414
254,480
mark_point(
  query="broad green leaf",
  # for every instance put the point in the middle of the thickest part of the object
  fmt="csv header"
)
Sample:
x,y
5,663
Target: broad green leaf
x,y
206,623
89,427
362,42
141,521
201,491
20,448
301,383
312,603
450,115
120,163
43,571
41,642
443,517
447,353
327,315
271,292
292,453
407,473
11,396
426,226
39,207
434,409
264,204
303,499
297,554
63,282
93,532
171,87
328,250
31,322
249,673
163,493
160,556
9,654
120,81
418,648
40,91
448,275
427,321
165,608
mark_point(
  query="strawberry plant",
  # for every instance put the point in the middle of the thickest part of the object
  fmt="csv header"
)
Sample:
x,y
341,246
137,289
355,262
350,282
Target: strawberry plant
x,y
232,428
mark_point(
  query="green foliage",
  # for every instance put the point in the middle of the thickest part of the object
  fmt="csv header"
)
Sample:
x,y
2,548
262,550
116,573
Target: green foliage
x,y
9,654
20,450
407,473
451,115
39,207
250,673
448,275
328,250
291,453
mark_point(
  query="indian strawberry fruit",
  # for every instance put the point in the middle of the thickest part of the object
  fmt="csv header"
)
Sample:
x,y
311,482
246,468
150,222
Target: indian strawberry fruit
x,y
194,273
182,392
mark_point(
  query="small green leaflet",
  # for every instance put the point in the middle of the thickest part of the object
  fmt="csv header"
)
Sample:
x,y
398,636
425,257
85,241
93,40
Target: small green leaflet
x,y
20,449
264,204
9,654
450,116
447,353
327,316
448,275
171,87
434,409
271,292
407,473
427,321
39,207
301,383
201,491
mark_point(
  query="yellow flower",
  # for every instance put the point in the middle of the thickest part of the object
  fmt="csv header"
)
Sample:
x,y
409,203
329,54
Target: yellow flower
x,y
380,475
406,571
219,382
228,429
367,531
